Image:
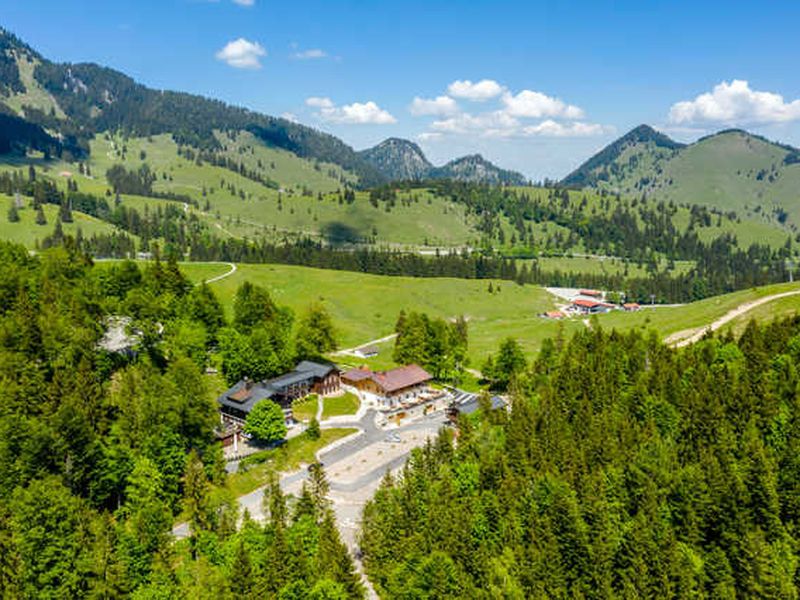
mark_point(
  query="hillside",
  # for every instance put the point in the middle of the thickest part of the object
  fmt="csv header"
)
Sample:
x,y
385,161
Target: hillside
x,y
402,160
59,108
730,170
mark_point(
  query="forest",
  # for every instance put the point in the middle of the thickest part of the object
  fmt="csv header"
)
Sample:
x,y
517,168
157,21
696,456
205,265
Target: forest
x,y
101,452
625,469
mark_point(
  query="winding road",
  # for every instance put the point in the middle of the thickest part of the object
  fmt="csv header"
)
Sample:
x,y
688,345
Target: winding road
x,y
690,336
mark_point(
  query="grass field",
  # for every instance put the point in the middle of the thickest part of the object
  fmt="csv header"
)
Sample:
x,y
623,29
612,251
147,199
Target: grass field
x,y
346,404
780,308
365,307
27,232
668,320
290,456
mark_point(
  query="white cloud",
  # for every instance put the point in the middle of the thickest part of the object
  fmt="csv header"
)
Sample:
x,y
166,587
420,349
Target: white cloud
x,y
290,116
439,106
244,2
489,124
318,102
735,103
550,128
242,54
483,90
357,113
310,54
536,105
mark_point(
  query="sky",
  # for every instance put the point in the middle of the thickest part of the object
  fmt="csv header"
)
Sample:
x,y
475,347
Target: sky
x,y
533,86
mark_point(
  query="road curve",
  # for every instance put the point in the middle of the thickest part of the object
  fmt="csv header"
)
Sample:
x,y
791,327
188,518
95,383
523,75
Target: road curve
x,y
677,340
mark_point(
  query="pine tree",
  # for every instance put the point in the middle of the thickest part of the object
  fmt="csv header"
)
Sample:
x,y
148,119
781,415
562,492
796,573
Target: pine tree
x,y
40,218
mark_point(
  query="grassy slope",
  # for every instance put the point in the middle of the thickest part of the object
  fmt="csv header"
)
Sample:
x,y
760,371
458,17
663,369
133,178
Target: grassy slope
x,y
718,171
697,314
27,232
365,307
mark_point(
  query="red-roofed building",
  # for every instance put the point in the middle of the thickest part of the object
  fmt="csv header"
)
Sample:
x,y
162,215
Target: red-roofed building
x,y
554,314
389,389
583,305
631,307
591,293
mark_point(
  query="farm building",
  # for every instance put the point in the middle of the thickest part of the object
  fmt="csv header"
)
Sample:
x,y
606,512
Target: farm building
x,y
631,307
554,314
307,378
591,293
590,307
390,389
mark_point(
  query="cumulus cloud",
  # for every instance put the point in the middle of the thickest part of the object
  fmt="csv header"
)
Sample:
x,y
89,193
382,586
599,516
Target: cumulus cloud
x,y
735,103
310,54
550,128
429,136
290,116
242,54
480,91
489,124
536,105
439,106
357,113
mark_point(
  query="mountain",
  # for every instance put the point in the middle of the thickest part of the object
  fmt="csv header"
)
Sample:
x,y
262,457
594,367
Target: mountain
x,y
729,170
59,108
606,164
476,169
399,159
76,101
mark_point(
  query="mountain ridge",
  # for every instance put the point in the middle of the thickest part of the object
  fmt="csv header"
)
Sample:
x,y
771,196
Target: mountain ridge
x,y
401,159
731,169
77,101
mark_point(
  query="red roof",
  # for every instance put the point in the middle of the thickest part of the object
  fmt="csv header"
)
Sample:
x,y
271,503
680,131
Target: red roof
x,y
586,303
554,314
590,293
631,305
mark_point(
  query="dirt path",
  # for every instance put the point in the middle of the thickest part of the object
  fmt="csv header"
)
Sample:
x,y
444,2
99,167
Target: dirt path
x,y
690,336
352,351
224,275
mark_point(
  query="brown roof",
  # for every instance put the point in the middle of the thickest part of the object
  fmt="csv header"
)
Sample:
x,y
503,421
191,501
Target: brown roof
x,y
357,374
590,293
393,380
241,395
401,377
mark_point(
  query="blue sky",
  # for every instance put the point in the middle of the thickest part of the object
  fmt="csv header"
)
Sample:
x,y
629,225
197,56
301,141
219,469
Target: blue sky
x,y
534,86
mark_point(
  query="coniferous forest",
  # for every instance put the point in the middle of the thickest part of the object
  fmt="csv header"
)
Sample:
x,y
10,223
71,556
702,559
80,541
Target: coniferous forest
x,y
624,470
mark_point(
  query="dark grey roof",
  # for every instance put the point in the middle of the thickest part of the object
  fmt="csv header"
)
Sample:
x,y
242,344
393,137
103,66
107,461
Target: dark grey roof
x,y
258,392
320,370
261,390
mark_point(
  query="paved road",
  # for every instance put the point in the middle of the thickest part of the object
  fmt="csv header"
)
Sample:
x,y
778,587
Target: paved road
x,y
370,435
